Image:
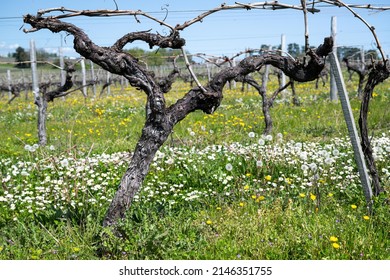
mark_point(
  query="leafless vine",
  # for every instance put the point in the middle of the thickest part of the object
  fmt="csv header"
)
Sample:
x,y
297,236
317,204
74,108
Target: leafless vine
x,y
160,118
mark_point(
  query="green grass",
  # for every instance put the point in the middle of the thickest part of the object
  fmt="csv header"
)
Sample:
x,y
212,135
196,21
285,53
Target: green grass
x,y
280,199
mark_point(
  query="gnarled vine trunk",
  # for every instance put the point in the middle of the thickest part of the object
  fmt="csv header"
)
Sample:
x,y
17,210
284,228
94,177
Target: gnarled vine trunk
x,y
42,99
378,74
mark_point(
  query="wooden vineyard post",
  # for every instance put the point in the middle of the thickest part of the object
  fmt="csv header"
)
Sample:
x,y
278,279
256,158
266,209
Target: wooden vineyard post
x,y
108,83
333,86
84,79
93,79
353,134
35,86
38,99
283,76
62,65
9,79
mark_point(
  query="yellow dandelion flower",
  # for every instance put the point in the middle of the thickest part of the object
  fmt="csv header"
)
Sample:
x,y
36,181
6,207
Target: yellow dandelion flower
x,y
76,249
246,187
268,177
241,204
336,245
260,198
330,194
254,196
366,217
312,197
209,222
333,239
353,206
302,195
218,208
248,174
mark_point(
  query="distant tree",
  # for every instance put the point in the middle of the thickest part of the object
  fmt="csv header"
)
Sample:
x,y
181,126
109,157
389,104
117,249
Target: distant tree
x,y
294,49
371,54
21,56
43,55
154,57
346,51
264,47
362,69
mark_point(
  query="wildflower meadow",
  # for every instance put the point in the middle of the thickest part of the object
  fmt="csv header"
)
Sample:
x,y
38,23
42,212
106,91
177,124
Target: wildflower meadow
x,y
218,189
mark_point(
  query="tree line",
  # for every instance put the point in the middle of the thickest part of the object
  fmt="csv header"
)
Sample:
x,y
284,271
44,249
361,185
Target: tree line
x,y
162,56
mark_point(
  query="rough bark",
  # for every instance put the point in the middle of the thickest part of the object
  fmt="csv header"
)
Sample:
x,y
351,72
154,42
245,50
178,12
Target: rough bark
x,y
378,74
48,96
323,76
361,69
153,136
42,117
295,98
161,119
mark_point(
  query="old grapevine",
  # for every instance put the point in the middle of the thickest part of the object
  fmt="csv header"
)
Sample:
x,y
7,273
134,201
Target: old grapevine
x,y
160,118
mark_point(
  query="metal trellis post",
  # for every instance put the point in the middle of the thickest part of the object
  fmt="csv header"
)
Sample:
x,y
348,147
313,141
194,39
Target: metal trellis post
x,y
353,134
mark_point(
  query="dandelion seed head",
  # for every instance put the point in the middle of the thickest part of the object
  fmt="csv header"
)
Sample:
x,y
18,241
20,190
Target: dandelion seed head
x,y
64,162
328,161
251,134
303,156
259,163
229,167
268,137
261,142
313,166
304,167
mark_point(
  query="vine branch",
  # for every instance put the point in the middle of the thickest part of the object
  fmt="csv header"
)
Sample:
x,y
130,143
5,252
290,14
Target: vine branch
x,y
370,27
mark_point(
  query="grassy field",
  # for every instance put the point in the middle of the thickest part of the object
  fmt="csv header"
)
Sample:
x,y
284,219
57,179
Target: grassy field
x,y
217,189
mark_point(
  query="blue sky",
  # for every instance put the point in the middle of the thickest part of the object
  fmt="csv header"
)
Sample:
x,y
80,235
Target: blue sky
x,y
223,33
